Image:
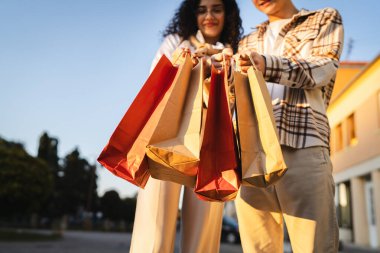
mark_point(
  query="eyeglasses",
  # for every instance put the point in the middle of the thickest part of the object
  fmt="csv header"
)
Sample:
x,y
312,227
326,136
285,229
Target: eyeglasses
x,y
214,11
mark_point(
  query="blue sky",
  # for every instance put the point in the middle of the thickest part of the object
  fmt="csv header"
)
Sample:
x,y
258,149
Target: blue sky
x,y
72,67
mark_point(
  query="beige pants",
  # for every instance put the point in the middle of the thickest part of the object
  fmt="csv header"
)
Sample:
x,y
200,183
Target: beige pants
x,y
304,198
154,228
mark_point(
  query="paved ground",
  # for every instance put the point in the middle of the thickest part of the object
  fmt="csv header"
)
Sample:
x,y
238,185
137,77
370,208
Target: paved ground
x,y
98,242
91,242
351,248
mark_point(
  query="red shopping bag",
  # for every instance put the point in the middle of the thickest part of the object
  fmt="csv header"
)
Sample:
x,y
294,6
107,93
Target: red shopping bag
x,y
218,177
115,154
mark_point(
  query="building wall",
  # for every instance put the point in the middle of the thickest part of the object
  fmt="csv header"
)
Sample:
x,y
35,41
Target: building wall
x,y
367,131
354,115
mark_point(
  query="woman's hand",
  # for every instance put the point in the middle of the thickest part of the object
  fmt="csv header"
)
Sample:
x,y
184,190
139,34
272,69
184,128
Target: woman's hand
x,y
179,56
223,59
206,50
244,61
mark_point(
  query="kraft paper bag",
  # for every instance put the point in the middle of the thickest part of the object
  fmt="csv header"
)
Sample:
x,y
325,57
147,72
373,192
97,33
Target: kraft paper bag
x,y
173,153
124,154
218,173
262,162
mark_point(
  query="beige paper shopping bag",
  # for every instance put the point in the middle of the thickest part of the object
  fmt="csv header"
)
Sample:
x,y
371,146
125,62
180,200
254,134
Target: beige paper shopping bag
x,y
173,153
261,156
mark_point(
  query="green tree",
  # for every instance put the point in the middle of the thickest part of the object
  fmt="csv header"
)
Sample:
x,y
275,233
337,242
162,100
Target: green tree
x,y
129,208
111,205
25,181
78,184
48,151
116,209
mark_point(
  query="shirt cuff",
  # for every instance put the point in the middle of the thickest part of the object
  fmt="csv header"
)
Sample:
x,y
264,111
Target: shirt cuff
x,y
273,68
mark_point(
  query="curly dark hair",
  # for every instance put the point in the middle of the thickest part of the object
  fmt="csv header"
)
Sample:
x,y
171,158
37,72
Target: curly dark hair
x,y
184,22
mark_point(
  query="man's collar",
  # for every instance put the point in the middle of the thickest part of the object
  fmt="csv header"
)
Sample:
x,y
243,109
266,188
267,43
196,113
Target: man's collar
x,y
301,13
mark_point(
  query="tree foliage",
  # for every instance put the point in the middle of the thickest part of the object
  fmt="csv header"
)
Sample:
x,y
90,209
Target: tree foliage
x,y
79,188
25,181
75,187
54,187
115,208
111,205
129,208
48,151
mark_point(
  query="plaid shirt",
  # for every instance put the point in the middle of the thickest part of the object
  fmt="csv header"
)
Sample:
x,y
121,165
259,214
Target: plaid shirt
x,y
311,46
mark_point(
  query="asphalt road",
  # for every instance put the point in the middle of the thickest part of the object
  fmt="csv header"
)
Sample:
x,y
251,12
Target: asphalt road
x,y
99,242
91,242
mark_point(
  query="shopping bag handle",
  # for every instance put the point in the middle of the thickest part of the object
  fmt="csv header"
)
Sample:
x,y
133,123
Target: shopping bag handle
x,y
253,63
237,69
179,55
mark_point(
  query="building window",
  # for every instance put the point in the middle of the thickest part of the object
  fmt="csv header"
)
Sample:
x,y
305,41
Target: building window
x,y
372,206
351,130
338,137
332,142
344,205
378,107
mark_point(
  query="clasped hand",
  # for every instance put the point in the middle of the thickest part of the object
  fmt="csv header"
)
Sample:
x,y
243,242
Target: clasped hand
x,y
243,60
224,59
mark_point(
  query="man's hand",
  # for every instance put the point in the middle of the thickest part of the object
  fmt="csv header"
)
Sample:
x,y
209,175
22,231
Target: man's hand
x,y
244,61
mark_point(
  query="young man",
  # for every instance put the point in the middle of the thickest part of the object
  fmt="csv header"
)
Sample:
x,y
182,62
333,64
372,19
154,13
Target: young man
x,y
298,53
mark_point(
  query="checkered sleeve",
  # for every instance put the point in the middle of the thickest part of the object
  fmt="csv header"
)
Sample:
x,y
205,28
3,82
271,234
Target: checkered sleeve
x,y
318,69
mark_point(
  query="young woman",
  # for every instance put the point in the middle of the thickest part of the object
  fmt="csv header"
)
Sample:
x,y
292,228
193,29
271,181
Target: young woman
x,y
205,27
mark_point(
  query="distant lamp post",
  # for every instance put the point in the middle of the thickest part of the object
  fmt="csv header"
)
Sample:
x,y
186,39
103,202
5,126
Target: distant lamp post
x,y
350,46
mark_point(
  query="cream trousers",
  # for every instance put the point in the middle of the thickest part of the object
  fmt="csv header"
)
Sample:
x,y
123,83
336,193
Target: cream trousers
x,y
304,198
154,228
